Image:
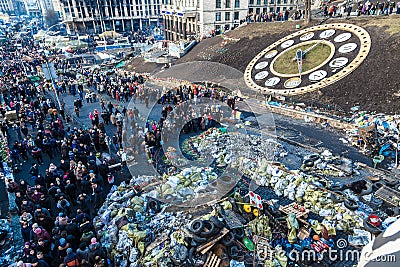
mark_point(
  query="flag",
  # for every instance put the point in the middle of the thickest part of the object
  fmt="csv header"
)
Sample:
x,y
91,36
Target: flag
x,y
255,200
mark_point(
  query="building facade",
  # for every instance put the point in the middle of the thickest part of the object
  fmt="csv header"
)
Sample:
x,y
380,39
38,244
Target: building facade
x,y
199,18
271,6
6,6
33,8
118,15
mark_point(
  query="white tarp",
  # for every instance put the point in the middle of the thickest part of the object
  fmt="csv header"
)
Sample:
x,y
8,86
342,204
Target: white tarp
x,y
104,56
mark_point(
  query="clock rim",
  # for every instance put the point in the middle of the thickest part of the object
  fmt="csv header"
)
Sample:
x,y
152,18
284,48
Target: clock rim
x,y
365,46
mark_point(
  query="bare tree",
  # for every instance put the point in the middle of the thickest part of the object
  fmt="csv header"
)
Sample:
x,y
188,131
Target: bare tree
x,y
307,12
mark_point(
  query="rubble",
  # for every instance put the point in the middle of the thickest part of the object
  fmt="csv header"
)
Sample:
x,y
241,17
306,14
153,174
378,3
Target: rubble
x,y
139,230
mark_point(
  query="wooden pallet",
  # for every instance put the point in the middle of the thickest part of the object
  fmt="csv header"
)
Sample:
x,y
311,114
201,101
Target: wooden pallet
x,y
291,209
212,260
388,195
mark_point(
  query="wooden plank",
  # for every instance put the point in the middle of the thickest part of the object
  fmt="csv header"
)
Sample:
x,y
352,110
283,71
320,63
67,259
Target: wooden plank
x,y
212,260
203,249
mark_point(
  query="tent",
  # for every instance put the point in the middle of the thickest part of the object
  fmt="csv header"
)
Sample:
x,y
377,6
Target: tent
x,y
120,64
40,35
77,44
34,78
104,56
109,34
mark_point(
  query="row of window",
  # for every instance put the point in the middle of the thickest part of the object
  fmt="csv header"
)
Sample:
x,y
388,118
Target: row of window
x,y
272,2
147,12
227,16
218,3
271,10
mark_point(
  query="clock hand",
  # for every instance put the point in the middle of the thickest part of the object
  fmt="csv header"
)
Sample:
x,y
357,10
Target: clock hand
x,y
299,56
308,50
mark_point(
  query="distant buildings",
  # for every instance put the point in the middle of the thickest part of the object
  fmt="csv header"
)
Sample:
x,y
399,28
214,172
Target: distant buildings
x,y
199,18
186,18
105,15
6,6
269,6
181,19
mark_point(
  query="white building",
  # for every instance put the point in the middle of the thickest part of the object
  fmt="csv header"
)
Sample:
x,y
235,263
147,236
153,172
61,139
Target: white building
x,y
6,6
33,8
271,6
105,15
186,18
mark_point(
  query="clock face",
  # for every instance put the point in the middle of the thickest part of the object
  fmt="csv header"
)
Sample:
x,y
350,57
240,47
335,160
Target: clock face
x,y
328,53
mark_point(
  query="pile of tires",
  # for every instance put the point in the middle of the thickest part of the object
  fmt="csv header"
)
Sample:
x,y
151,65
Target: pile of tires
x,y
204,231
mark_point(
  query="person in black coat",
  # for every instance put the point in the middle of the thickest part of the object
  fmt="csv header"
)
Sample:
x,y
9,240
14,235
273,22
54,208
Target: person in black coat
x,y
70,190
18,201
44,260
84,203
26,230
45,202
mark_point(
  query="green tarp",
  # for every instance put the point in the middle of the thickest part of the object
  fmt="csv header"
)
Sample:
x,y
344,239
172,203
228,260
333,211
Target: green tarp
x,y
120,65
34,78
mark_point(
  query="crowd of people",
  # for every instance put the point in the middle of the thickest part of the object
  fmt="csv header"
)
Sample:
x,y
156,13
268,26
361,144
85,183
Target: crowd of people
x,y
187,108
68,178
329,10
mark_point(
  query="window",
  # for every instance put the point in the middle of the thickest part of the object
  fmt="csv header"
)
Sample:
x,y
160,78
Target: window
x,y
251,2
279,2
257,11
285,1
227,3
227,15
218,16
272,2
218,4
271,10
237,3
265,2
258,2
236,15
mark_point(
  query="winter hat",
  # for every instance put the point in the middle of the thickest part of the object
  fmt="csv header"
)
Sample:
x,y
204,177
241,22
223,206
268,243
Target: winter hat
x,y
69,250
93,240
38,231
35,225
82,246
63,242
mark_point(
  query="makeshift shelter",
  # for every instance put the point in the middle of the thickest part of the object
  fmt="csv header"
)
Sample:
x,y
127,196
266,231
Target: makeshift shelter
x,y
40,35
109,34
104,56
120,64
